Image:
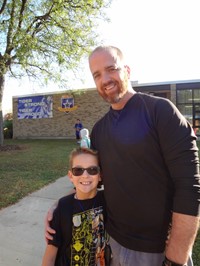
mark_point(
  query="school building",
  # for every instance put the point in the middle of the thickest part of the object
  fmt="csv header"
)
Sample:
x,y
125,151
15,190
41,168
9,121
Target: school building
x,y
53,115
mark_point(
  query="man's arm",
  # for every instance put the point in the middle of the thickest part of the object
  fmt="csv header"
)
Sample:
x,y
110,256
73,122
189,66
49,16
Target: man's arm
x,y
182,237
48,230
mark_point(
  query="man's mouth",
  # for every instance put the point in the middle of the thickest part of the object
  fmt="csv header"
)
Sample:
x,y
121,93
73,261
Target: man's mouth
x,y
109,87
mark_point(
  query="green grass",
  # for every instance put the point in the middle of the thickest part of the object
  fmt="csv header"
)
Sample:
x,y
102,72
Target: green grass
x,y
196,251
36,164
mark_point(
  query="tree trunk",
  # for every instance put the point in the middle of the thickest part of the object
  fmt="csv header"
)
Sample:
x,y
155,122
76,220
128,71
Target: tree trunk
x,y
2,82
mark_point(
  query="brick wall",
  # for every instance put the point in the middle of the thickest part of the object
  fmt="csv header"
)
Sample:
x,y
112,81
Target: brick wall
x,y
91,108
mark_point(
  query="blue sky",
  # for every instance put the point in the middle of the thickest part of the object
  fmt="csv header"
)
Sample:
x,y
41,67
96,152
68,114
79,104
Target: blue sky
x,y
160,39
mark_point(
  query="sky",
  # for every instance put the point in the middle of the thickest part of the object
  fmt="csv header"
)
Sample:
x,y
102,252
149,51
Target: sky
x,y
160,40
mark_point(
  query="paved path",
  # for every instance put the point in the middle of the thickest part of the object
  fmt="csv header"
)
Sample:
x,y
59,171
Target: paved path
x,y
22,225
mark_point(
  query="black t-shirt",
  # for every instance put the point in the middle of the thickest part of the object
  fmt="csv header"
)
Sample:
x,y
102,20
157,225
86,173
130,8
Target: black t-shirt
x,y
80,232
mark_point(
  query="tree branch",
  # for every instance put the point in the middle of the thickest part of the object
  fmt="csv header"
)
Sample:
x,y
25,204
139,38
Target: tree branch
x,y
39,20
3,6
9,47
21,14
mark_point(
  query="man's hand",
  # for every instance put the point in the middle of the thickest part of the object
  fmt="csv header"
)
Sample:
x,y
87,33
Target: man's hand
x,y
48,230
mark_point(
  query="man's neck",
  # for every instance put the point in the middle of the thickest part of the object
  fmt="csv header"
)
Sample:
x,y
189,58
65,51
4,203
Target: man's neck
x,y
120,105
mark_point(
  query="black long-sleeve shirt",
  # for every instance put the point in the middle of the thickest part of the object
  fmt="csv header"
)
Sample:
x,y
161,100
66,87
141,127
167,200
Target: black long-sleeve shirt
x,y
150,168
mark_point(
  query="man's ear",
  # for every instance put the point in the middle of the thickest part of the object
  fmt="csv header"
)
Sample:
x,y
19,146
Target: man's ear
x,y
128,71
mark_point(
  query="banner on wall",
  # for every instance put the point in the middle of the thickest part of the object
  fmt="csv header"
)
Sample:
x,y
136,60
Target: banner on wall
x,y
35,107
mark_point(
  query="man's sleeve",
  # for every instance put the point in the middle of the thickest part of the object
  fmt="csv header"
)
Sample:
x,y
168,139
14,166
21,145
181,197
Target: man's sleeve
x,y
180,152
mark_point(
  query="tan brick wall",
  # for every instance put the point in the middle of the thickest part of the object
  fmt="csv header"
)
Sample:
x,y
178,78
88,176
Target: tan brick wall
x,y
91,108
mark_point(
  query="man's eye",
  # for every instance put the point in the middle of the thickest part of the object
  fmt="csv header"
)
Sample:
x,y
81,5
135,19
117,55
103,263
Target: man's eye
x,y
96,76
114,69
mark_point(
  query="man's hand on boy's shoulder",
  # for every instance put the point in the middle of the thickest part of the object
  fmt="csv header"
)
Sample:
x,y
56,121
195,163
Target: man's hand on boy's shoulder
x,y
48,230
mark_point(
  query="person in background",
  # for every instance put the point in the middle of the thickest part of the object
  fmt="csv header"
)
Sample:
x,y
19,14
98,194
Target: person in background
x,y
85,138
78,126
79,218
150,168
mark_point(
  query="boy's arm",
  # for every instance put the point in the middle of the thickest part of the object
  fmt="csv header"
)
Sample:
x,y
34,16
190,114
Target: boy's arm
x,y
49,256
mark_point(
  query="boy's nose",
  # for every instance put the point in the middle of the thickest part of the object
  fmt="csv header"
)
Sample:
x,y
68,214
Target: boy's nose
x,y
85,173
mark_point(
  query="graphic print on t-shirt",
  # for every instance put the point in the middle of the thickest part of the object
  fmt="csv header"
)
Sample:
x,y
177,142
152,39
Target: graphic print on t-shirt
x,y
88,240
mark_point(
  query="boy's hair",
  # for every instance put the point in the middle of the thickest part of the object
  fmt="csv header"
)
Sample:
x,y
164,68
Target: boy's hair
x,y
81,150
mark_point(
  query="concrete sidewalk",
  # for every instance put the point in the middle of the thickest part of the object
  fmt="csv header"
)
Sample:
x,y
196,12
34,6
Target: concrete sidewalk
x,y
22,225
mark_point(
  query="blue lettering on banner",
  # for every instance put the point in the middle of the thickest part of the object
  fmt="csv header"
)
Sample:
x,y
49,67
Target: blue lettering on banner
x,y
35,107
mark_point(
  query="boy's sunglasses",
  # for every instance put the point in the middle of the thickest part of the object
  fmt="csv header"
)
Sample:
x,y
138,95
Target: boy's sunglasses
x,y
92,170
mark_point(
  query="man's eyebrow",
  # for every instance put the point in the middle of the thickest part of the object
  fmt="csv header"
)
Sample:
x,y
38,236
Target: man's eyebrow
x,y
111,66
106,68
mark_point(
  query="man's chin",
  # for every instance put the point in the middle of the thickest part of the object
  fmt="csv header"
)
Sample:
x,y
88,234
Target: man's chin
x,y
112,100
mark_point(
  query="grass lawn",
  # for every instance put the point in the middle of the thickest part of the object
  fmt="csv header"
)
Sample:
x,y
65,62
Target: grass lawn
x,y
36,164
196,251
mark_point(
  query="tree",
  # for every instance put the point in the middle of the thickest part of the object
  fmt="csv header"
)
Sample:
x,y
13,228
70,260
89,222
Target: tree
x,y
44,39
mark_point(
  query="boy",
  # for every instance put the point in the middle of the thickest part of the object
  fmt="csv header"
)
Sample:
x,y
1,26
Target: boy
x,y
78,126
79,218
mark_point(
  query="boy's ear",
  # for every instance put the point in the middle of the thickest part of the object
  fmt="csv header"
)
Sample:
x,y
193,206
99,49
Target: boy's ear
x,y
100,183
70,175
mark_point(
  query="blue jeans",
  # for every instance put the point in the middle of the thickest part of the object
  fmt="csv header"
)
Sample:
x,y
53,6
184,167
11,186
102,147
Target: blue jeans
x,y
126,257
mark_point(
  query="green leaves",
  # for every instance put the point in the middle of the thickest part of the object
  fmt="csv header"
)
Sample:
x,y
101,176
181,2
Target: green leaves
x,y
40,37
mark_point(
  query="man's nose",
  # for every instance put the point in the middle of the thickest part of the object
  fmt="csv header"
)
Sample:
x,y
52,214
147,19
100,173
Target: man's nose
x,y
105,77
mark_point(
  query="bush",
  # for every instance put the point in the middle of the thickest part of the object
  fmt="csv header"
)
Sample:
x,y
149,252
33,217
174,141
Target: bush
x,y
8,129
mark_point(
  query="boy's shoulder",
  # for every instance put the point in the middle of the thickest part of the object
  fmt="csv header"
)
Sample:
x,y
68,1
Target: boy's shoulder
x,y
64,208
66,199
100,196
100,192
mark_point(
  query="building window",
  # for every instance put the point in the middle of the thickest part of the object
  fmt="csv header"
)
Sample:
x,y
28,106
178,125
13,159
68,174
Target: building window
x,y
188,102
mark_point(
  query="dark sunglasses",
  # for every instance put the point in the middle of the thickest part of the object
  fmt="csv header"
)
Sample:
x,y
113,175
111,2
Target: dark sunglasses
x,y
92,170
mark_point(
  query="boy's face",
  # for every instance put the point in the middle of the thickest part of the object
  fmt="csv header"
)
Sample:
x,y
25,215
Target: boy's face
x,y
85,184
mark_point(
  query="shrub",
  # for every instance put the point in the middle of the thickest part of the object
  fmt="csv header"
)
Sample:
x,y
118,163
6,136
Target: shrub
x,y
8,127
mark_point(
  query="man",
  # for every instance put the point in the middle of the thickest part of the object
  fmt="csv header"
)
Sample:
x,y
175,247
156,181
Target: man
x,y
150,168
